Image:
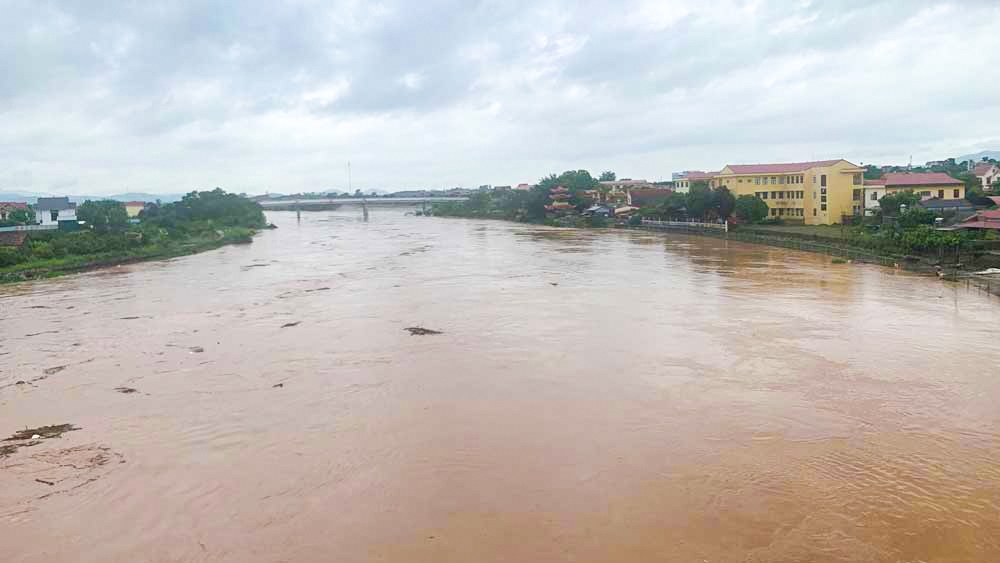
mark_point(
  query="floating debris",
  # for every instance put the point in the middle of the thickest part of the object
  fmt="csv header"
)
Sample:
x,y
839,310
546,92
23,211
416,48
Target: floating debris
x,y
277,385
421,331
41,333
317,289
553,284
129,318
196,349
53,370
44,482
286,325
42,432
126,390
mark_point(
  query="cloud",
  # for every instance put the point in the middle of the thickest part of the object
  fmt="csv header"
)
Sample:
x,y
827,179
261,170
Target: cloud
x,y
101,97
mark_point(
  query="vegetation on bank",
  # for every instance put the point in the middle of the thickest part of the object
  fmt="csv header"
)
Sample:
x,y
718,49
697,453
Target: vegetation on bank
x,y
200,221
899,228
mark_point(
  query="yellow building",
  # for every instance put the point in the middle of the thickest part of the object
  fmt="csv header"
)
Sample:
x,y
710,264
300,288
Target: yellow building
x,y
925,184
816,193
134,207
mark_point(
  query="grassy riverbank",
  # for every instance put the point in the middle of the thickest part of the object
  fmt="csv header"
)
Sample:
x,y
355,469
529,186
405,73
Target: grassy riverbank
x,y
57,266
200,221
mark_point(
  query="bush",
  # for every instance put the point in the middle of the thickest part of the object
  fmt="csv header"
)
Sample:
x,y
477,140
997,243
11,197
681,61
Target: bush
x,y
10,257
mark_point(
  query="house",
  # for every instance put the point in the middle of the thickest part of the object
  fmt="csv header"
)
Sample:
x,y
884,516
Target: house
x,y
983,220
13,239
815,193
682,180
648,196
988,173
924,184
52,210
523,187
6,207
866,199
597,211
133,208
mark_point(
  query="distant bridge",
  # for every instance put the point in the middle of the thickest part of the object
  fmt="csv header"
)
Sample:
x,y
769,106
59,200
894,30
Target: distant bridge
x,y
315,204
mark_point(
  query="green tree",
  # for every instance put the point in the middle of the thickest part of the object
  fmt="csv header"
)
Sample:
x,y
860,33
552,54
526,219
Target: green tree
x,y
916,215
699,199
19,217
103,215
890,203
723,202
751,208
607,176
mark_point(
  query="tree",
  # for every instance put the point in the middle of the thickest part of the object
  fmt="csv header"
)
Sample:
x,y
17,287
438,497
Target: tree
x,y
607,176
916,215
24,216
751,208
890,203
699,199
103,215
723,202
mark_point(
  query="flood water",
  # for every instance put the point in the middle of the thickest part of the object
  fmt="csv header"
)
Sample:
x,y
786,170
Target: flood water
x,y
593,396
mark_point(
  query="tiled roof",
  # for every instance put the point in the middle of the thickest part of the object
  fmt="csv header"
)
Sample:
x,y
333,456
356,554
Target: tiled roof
x,y
54,204
14,204
782,168
982,168
13,238
143,203
935,203
893,179
699,175
875,182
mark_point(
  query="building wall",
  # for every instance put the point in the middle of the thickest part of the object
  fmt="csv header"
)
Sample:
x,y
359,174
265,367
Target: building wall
x,y
134,210
44,217
949,191
800,195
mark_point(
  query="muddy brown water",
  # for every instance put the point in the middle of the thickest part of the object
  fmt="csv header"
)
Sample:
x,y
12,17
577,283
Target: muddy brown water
x,y
618,396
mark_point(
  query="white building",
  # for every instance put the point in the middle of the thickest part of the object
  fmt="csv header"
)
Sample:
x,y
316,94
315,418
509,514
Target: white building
x,y
871,192
51,210
988,174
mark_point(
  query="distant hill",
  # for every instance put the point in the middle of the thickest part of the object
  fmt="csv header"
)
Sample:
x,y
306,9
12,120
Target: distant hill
x,y
979,156
32,197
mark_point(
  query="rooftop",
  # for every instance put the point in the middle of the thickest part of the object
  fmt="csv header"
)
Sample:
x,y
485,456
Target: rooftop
x,y
782,168
935,203
54,204
919,179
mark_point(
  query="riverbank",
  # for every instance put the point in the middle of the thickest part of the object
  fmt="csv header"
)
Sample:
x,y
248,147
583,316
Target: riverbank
x,y
54,267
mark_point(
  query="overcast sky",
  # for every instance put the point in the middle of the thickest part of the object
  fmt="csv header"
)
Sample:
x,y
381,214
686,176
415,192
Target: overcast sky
x,y
100,97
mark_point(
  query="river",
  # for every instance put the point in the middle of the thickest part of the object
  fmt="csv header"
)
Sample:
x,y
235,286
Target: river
x,y
593,396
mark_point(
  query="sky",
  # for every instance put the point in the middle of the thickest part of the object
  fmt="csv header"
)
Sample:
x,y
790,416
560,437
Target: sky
x,y
104,96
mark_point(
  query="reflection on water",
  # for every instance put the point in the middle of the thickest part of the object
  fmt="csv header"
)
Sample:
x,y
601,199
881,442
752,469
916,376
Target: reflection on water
x,y
594,396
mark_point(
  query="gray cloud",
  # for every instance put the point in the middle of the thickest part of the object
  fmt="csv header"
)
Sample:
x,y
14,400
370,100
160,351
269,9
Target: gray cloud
x,y
100,96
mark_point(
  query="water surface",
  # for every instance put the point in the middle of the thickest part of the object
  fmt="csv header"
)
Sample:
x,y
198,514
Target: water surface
x,y
594,396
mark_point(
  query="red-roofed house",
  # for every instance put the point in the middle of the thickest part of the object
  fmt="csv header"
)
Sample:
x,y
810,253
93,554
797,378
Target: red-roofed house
x,y
682,181
133,208
925,184
7,206
815,193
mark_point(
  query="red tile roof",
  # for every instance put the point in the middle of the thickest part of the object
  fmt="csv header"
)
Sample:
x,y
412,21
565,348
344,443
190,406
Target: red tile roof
x,y
699,175
982,168
13,238
14,204
135,203
895,179
875,182
782,168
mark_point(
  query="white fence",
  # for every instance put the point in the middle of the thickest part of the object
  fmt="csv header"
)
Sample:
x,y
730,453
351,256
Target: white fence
x,y
29,228
724,227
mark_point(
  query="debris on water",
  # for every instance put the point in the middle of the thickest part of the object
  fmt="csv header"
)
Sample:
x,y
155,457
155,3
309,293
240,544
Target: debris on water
x,y
126,390
286,325
41,333
20,382
317,289
277,385
421,331
553,284
44,482
42,432
130,318
53,370
196,349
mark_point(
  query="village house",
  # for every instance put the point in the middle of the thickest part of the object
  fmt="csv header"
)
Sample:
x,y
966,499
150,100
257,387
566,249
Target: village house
x,y
133,208
13,239
924,184
682,180
866,199
6,207
815,193
988,173
52,210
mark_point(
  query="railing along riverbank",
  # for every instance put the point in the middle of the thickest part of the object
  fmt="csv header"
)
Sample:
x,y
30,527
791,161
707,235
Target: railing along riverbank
x,y
722,230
